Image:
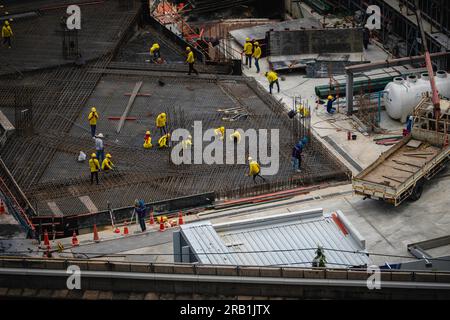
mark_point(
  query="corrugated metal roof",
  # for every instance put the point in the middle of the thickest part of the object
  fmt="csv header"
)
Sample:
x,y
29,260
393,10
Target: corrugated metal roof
x,y
283,240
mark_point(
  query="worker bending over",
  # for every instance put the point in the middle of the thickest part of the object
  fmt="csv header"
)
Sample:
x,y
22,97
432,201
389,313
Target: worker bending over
x,y
93,117
257,55
7,33
220,132
273,79
248,51
94,165
255,169
235,136
147,140
164,141
161,123
330,101
191,60
154,51
107,163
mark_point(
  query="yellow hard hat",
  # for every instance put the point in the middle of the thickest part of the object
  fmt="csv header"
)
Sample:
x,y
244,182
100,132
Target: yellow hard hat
x,y
330,97
256,43
247,39
93,155
147,132
188,48
6,23
93,109
108,155
222,128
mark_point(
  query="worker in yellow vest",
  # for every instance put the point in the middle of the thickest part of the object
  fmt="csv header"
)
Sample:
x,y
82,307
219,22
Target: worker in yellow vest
x,y
248,51
154,51
191,60
7,33
161,123
235,136
220,132
272,77
107,163
147,140
257,55
94,165
163,142
255,169
93,117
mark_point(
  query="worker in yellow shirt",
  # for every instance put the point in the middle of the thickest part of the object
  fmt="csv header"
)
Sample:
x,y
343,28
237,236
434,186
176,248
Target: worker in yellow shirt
x,y
257,55
154,51
186,145
235,136
273,79
107,163
147,140
7,33
161,123
191,60
255,169
164,141
220,132
93,117
248,51
94,165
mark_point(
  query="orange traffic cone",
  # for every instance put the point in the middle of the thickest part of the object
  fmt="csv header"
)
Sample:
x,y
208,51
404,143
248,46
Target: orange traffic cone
x,y
46,240
161,226
152,219
96,237
2,207
117,230
74,239
125,229
180,218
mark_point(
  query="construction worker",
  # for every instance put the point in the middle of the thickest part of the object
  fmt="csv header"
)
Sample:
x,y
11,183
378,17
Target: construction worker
x,y
147,140
94,165
154,50
272,77
139,207
107,163
297,156
330,101
161,123
248,51
257,55
191,60
235,136
303,111
7,33
255,169
93,117
164,141
99,148
220,132
187,143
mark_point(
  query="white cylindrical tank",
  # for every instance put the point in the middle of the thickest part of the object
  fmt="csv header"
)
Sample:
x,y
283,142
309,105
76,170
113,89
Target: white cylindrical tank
x,y
403,95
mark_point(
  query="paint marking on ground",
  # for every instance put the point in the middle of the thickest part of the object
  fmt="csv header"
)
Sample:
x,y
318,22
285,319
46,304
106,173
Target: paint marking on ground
x,y
88,203
55,209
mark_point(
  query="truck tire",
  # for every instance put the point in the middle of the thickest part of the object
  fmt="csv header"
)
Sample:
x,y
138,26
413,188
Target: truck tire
x,y
417,191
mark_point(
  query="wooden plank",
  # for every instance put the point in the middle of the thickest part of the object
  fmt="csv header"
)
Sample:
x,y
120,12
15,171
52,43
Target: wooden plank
x,y
393,179
406,163
130,103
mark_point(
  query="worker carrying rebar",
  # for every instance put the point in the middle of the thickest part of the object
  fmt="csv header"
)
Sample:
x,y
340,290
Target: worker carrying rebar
x,y
93,117
161,123
248,51
164,141
107,163
255,169
139,207
257,55
147,140
7,33
94,165
191,60
236,136
330,100
154,51
272,77
220,132
99,148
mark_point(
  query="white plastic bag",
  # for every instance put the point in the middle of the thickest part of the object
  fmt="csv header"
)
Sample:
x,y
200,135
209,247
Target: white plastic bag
x,y
82,157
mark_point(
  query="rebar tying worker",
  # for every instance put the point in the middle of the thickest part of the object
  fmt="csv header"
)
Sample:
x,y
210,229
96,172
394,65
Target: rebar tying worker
x,y
255,169
154,50
99,148
161,123
220,132
147,140
93,117
191,60
257,55
273,79
248,51
94,166
7,33
163,142
107,163
330,101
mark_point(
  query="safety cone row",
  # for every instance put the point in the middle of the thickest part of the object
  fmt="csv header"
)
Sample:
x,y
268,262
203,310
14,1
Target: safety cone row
x,y
96,237
2,207
75,242
125,229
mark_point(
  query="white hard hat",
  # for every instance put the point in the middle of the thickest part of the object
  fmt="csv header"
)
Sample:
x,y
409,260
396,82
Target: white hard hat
x,y
250,158
100,135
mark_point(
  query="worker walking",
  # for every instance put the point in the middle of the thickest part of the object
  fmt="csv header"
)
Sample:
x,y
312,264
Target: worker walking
x,y
330,101
147,140
164,141
94,166
255,169
191,60
248,51
7,33
99,148
272,77
139,207
161,123
93,117
154,51
257,55
107,163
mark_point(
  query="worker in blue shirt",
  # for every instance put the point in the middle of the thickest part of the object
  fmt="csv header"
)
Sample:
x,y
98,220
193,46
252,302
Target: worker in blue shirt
x,y
139,207
330,101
